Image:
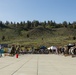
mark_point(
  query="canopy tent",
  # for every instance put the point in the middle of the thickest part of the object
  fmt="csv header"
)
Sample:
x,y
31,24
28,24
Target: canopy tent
x,y
52,48
71,45
43,47
4,45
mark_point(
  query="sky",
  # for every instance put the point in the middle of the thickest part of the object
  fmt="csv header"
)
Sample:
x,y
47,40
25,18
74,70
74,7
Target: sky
x,y
41,10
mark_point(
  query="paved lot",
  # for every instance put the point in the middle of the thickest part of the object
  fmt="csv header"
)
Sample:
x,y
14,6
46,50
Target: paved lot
x,y
36,64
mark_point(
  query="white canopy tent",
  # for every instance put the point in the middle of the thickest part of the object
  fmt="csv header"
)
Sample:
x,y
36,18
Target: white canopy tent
x,y
52,48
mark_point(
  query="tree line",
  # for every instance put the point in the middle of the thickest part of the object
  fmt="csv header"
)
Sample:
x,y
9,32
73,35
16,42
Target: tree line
x,y
33,24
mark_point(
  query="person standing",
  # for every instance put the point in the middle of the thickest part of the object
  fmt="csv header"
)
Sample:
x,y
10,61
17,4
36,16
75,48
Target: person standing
x,y
13,50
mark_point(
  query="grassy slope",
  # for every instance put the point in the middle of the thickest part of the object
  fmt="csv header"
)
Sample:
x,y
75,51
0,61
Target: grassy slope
x,y
59,36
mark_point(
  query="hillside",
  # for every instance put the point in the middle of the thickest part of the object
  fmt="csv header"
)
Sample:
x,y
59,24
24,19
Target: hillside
x,y
51,32
39,36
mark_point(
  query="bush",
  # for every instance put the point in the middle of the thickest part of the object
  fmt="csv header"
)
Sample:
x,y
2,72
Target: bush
x,y
74,37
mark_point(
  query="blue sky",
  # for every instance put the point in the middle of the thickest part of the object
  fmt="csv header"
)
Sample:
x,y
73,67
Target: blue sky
x,y
41,10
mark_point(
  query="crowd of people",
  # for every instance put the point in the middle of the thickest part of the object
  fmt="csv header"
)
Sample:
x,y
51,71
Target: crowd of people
x,y
17,49
69,49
